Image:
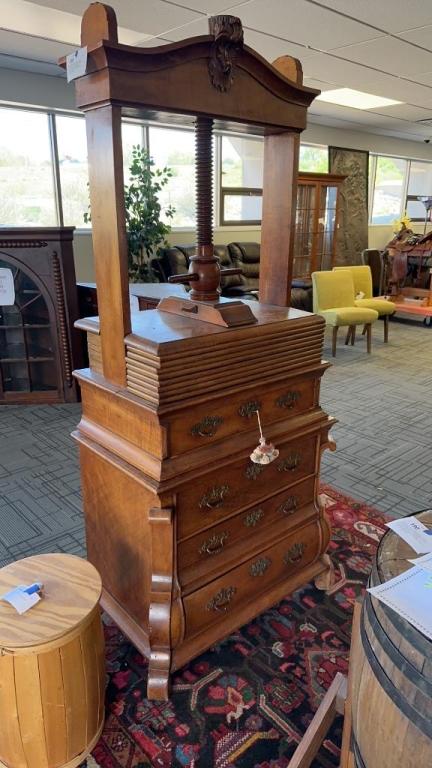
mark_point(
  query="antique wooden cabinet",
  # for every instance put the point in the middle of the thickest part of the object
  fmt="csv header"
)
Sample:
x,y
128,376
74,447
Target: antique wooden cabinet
x,y
193,537
39,345
317,221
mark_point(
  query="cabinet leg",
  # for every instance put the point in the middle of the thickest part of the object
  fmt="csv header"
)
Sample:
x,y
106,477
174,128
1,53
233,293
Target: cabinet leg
x,y
326,579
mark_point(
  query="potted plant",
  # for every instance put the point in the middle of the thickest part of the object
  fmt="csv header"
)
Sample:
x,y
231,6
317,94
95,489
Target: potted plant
x,y
146,232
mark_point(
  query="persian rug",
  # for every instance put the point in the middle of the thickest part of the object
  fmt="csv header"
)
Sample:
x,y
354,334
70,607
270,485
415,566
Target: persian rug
x,y
247,701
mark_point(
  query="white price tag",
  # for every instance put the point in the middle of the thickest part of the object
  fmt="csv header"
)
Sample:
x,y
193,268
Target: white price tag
x,y
76,64
7,287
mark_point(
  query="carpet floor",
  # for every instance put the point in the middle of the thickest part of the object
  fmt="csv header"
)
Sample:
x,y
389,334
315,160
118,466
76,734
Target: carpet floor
x,y
247,701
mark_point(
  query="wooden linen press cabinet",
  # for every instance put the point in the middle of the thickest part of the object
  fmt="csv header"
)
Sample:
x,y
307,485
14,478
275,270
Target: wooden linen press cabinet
x,y
192,538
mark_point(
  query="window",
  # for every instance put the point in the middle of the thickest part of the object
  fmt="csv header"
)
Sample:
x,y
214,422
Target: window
x,y
313,159
26,172
132,134
388,189
176,149
419,185
242,168
73,168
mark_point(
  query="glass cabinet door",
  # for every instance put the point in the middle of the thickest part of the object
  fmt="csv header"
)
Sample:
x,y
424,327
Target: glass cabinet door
x,y
27,350
326,226
304,232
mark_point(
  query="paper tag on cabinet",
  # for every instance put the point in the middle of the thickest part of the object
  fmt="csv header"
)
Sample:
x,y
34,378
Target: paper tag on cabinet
x,y
7,287
76,64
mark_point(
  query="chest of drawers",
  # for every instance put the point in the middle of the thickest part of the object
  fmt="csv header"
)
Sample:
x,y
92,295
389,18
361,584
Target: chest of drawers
x,y
191,538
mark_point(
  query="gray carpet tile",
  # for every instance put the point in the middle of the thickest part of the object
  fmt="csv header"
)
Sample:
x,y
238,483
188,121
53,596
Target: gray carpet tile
x,y
383,438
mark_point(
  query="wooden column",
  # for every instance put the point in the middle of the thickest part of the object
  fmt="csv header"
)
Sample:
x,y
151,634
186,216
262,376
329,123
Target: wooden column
x,y
281,153
105,158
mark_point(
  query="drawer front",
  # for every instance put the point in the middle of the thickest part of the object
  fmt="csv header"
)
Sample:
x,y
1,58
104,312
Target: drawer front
x,y
227,416
230,488
209,604
213,550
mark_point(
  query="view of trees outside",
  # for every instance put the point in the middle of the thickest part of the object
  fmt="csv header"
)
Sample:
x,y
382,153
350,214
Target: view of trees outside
x,y
27,195
388,189
72,151
26,174
313,159
176,149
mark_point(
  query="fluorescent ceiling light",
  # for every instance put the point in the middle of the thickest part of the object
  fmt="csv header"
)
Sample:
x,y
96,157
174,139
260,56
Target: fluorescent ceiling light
x,y
347,97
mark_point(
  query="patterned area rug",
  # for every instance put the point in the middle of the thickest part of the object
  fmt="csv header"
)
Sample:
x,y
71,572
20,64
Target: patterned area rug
x,y
247,701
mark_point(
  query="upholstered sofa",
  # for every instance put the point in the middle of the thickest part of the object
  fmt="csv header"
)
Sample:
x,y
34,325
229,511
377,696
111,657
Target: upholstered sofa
x,y
243,255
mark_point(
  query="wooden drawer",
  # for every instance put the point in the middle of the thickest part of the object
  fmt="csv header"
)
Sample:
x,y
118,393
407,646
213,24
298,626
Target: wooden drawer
x,y
211,552
233,487
219,418
239,586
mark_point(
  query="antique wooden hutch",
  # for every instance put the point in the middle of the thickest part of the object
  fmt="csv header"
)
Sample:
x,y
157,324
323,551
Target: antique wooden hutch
x,y
191,537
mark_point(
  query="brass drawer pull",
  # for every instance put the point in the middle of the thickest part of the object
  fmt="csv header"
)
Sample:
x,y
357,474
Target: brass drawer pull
x,y
214,498
295,554
214,544
259,567
248,409
254,470
221,601
290,463
289,506
252,518
288,400
207,427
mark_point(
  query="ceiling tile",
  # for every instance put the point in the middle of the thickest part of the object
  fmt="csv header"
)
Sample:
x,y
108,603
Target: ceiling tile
x,y
404,112
390,54
271,47
420,36
28,47
303,22
38,67
151,17
337,71
389,15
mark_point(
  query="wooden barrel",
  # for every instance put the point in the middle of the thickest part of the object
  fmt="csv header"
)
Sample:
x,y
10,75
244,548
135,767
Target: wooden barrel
x,y
392,675
52,677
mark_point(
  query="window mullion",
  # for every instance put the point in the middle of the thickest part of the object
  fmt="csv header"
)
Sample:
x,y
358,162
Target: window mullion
x,y
55,164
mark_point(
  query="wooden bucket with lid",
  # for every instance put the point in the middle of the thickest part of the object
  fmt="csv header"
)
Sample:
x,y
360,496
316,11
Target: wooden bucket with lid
x,y
52,673
392,675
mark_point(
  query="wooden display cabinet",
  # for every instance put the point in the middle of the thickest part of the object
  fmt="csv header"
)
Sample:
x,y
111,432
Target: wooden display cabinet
x,y
38,343
317,217
191,535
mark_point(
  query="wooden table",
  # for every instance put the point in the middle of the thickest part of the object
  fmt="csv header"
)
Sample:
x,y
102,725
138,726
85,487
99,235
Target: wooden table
x,y
52,664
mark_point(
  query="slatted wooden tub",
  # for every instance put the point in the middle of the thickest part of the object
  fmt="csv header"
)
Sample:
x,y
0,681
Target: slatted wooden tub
x,y
392,675
52,679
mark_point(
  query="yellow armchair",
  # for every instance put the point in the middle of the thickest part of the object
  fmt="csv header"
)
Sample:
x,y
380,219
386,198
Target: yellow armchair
x,y
333,299
362,277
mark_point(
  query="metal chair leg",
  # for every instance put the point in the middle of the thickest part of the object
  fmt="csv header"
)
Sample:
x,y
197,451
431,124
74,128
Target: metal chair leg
x,y
334,337
386,328
369,337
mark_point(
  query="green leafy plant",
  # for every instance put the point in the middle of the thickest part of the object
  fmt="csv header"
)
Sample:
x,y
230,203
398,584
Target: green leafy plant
x,y
146,232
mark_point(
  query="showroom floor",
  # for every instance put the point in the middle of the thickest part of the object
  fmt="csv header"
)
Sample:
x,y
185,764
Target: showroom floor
x,y
383,444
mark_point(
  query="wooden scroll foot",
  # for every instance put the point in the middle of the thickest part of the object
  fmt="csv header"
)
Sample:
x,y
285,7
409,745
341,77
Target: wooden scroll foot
x,y
162,568
158,680
326,579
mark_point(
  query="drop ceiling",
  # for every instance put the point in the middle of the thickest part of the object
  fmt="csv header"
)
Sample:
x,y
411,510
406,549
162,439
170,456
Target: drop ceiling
x,y
382,47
